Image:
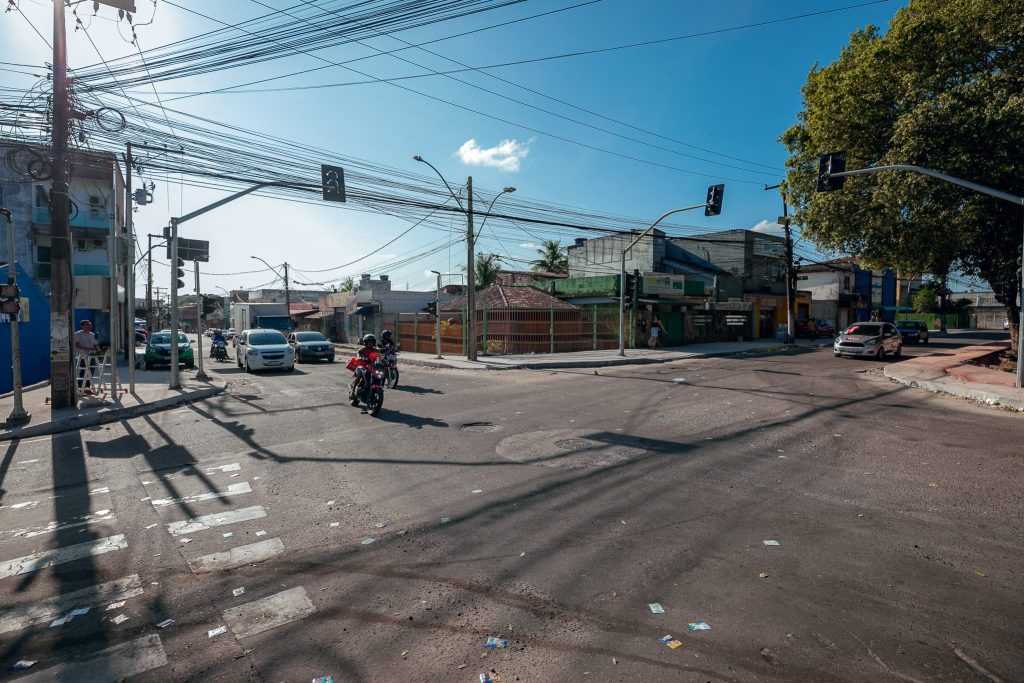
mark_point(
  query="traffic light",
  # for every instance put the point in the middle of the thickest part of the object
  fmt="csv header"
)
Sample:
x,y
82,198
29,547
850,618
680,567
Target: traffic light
x,y
431,308
833,162
713,205
10,300
179,274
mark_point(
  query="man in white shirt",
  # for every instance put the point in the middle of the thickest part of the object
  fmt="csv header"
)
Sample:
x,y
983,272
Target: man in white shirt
x,y
85,347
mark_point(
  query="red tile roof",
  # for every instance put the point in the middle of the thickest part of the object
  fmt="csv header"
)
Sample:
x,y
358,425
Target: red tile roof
x,y
500,296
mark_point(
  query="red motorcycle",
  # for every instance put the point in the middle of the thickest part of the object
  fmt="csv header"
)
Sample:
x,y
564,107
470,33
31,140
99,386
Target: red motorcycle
x,y
367,385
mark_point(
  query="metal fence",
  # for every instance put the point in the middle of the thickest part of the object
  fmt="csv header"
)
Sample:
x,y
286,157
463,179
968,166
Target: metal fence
x,y
502,331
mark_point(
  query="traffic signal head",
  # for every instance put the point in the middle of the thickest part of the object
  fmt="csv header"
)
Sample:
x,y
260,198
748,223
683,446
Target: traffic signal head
x,y
713,204
431,308
833,162
179,274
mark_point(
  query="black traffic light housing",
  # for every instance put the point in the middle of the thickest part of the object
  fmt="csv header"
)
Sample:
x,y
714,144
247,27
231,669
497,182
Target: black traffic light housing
x,y
713,204
431,308
179,274
828,164
10,299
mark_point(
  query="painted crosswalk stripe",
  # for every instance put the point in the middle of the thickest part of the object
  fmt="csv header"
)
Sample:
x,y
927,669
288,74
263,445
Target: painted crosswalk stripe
x,y
27,505
44,611
232,490
231,467
279,609
48,558
84,520
191,526
236,557
113,664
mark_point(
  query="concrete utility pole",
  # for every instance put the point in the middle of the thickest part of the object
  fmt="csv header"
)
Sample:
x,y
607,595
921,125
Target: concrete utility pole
x,y
115,328
287,296
18,414
470,274
149,286
790,282
129,284
437,313
175,382
63,392
201,375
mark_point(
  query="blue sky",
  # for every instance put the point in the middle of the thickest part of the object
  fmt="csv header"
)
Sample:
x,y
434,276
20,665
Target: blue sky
x,y
733,93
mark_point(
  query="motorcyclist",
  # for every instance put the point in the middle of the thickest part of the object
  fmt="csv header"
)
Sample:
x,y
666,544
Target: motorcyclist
x,y
218,338
363,361
387,343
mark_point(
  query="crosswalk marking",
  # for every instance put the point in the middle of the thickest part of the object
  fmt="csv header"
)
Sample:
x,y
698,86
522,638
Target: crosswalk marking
x,y
262,615
232,490
236,557
191,526
84,520
113,664
42,611
48,558
232,467
27,505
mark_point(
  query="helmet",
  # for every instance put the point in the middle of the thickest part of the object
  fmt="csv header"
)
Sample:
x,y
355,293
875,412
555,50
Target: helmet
x,y
385,335
369,340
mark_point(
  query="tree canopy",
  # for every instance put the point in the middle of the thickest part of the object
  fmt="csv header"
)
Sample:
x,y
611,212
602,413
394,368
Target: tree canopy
x,y
551,258
943,88
486,270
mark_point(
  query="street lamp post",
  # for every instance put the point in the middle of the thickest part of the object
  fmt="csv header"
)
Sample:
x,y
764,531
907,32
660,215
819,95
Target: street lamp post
x,y
287,298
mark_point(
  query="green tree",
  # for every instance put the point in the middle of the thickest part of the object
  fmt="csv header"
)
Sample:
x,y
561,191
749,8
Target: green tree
x,y
487,267
347,285
552,259
925,300
942,88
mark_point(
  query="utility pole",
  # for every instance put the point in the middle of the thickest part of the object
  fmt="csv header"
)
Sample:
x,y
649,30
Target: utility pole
x,y
129,284
63,392
470,274
287,295
175,382
437,313
18,414
149,286
201,375
112,257
790,275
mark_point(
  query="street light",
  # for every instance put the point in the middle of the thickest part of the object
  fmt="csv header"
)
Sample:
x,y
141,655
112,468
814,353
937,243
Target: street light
x,y
506,190
287,291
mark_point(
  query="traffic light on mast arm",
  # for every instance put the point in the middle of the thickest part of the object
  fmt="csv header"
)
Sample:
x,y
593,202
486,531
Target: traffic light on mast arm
x,y
833,162
179,274
10,300
713,204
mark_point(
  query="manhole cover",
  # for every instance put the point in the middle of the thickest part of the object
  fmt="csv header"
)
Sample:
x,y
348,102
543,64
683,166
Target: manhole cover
x,y
479,427
574,444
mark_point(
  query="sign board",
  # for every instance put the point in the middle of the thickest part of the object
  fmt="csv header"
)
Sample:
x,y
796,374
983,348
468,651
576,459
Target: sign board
x,y
735,320
333,180
701,319
23,314
664,284
733,305
191,250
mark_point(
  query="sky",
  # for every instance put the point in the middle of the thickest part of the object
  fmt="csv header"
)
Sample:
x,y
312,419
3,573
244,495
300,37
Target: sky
x,y
730,92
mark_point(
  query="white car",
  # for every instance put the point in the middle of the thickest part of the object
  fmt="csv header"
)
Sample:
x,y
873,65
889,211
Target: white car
x,y
872,339
264,350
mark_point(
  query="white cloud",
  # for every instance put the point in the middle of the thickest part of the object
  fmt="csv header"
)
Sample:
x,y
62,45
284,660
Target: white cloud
x,y
769,228
505,156
530,245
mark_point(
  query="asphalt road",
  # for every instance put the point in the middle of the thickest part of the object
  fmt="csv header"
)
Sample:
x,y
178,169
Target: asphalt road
x,y
545,508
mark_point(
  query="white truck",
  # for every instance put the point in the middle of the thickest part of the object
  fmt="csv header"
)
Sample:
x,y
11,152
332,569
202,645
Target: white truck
x,y
246,316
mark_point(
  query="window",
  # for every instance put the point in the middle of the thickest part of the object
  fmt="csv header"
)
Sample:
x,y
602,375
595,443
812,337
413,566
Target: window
x,y
43,270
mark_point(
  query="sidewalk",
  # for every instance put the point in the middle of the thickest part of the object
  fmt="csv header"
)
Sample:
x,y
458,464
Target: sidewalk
x,y
151,395
952,373
587,359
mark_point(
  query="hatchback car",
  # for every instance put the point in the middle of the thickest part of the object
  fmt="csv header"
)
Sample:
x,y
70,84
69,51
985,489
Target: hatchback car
x,y
311,346
913,331
873,339
158,351
261,349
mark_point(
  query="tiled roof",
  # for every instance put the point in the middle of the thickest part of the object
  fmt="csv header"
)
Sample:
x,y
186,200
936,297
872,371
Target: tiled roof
x,y
500,296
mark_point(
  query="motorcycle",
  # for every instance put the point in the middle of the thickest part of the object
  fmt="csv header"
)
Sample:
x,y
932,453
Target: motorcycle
x,y
368,387
391,369
219,351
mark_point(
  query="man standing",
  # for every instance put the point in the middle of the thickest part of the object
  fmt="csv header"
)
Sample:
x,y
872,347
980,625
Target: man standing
x,y
85,348
655,333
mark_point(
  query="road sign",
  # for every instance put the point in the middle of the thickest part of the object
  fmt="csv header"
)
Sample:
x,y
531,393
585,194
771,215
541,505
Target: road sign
x,y
333,180
191,250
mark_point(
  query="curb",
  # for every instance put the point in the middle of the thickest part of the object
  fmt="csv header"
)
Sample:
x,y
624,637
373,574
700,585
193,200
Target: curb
x,y
959,390
85,421
30,387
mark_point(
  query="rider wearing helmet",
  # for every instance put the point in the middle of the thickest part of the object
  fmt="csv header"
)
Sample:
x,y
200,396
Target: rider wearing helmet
x,y
387,343
364,358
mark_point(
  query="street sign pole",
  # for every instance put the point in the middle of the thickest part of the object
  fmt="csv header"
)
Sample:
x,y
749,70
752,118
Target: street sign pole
x,y
175,382
201,375
18,414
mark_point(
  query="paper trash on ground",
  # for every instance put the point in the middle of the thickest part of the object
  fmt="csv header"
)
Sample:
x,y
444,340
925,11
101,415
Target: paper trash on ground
x,y
238,591
699,626
771,542
656,608
165,623
120,619
214,632
493,643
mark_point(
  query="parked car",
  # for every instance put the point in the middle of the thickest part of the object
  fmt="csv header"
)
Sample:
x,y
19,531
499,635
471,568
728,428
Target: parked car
x,y
311,346
824,329
814,329
872,339
913,331
158,351
264,349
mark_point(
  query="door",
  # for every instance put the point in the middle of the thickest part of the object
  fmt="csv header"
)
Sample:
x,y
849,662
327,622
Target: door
x,y
672,324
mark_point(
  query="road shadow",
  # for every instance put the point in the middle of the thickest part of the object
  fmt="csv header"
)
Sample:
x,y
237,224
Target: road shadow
x,y
12,448
413,389
413,421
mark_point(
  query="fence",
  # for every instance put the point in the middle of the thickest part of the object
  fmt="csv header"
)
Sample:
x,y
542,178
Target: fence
x,y
513,331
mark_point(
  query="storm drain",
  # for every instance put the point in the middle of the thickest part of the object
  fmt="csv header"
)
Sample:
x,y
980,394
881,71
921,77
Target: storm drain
x,y
479,427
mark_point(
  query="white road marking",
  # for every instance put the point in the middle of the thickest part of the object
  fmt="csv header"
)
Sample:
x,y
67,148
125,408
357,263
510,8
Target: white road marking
x,y
233,467
25,462
113,664
48,558
236,557
84,520
191,526
102,489
42,611
232,490
27,505
258,616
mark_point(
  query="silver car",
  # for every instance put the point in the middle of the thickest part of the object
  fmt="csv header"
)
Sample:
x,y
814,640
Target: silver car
x,y
871,339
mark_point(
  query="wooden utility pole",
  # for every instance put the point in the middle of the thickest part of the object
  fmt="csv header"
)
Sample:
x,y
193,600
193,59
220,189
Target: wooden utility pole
x,y
470,274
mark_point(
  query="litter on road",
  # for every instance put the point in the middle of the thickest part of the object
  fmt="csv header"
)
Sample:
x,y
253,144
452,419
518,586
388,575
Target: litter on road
x,y
186,540
330,503
120,619
368,541
238,591
228,534
335,524
150,526
478,490
165,623
763,575
656,608
115,605
23,664
771,542
699,626
214,632
324,679
261,533
493,643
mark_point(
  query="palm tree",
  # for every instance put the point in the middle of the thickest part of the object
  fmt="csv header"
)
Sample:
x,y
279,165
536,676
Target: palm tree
x,y
347,285
553,258
486,270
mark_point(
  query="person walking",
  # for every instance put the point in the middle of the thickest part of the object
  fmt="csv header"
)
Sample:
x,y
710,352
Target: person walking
x,y
85,348
655,334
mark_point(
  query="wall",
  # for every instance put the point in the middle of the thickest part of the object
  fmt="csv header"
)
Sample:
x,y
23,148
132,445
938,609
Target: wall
x,y
602,255
35,336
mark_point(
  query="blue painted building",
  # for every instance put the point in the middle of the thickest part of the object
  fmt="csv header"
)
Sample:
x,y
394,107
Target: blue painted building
x,y
35,335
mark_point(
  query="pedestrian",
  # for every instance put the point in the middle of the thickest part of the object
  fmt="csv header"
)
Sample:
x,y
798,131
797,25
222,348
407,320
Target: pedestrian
x,y
85,348
655,334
